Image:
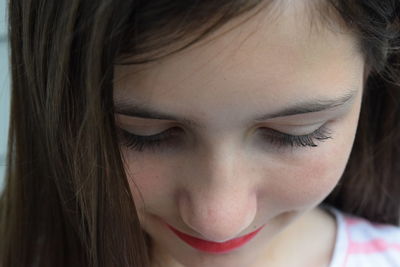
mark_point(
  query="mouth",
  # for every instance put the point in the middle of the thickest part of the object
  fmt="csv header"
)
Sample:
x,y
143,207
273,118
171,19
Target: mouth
x,y
214,247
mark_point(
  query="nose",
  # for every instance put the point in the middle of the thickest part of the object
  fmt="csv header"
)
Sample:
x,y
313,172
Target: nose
x,y
218,217
219,203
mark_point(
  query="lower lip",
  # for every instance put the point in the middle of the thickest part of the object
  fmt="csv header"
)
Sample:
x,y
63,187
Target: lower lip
x,y
214,247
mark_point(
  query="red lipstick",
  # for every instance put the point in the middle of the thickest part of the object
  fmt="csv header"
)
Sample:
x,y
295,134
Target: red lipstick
x,y
215,247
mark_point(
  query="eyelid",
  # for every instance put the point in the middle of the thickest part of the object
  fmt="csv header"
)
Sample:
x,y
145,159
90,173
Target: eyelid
x,y
142,130
283,140
296,129
167,139
160,134
146,132
313,117
298,123
300,130
139,125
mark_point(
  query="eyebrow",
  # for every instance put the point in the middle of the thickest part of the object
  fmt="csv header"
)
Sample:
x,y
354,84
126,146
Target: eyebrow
x,y
315,105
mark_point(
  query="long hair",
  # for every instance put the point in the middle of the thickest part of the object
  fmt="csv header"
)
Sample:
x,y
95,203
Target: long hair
x,y
66,200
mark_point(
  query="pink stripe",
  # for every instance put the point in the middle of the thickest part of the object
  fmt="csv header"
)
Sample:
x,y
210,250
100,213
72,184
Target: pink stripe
x,y
348,221
373,246
353,221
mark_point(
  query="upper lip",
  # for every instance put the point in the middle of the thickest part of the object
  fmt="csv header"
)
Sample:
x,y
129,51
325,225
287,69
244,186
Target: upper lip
x,y
213,241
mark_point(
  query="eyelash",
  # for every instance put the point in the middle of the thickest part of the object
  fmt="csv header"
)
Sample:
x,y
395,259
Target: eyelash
x,y
276,138
280,139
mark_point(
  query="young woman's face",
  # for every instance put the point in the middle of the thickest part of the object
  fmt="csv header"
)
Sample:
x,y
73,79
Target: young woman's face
x,y
236,118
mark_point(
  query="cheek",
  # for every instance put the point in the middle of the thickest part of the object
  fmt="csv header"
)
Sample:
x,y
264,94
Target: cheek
x,y
147,181
303,184
305,180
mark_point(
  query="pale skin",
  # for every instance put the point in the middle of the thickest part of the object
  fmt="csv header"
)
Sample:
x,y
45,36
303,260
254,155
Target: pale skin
x,y
222,179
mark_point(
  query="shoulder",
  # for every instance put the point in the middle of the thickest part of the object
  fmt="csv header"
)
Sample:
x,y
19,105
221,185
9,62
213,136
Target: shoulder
x,y
362,230
364,243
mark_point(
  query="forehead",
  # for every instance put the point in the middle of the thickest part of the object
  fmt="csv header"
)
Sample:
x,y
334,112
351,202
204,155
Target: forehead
x,y
282,58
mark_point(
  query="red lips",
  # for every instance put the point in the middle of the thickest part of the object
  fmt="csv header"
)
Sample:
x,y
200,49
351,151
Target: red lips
x,y
215,247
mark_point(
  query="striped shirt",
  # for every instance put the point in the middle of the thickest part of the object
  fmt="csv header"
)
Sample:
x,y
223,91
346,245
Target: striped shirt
x,y
361,243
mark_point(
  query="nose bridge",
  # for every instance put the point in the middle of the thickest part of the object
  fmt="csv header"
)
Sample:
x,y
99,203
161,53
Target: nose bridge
x,y
218,203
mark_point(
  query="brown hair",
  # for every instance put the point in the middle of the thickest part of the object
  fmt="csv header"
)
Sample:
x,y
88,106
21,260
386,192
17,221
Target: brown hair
x,y
66,200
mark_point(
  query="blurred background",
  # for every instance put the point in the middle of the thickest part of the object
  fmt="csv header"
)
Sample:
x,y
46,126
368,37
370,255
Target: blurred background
x,y
4,89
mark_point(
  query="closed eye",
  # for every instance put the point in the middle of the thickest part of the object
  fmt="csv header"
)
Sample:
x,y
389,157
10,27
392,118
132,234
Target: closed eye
x,y
280,139
171,137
